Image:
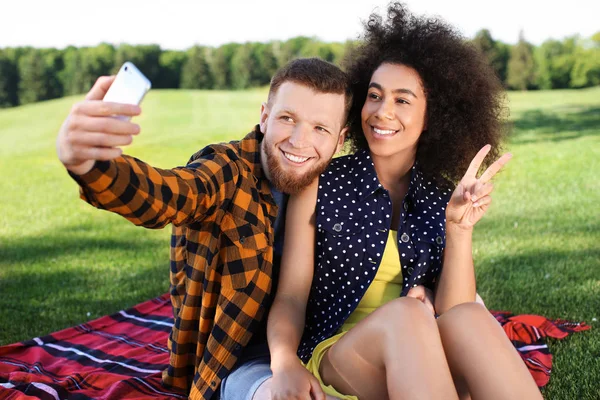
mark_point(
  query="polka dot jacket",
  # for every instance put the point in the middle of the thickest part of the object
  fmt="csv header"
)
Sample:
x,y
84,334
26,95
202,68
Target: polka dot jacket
x,y
353,218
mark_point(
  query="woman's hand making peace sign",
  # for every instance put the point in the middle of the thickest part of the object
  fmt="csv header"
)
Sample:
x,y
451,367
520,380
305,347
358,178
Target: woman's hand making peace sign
x,y
471,198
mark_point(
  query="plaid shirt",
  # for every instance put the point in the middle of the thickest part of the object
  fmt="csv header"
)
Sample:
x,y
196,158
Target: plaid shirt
x,y
222,212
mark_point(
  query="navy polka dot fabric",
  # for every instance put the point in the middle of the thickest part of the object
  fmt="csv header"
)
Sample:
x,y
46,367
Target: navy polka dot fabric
x,y
353,218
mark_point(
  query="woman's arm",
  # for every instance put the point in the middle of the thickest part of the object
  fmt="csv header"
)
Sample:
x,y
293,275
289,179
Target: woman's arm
x,y
456,283
286,318
468,204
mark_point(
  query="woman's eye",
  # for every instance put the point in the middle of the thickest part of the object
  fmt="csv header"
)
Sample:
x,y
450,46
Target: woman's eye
x,y
402,101
373,96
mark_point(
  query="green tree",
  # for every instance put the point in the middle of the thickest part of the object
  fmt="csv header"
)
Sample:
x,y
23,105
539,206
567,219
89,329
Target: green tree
x,y
35,83
555,61
72,75
171,63
195,73
339,52
9,81
521,66
586,68
54,65
98,61
264,58
497,53
145,57
220,65
291,49
315,48
242,65
83,66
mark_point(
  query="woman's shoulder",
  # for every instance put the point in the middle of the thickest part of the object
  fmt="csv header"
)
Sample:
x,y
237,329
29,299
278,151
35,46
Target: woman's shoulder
x,y
345,160
345,164
340,175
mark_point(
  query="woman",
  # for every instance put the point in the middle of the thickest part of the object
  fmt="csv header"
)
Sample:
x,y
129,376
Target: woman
x,y
384,221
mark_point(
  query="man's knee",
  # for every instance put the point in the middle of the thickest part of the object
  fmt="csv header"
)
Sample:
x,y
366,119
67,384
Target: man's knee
x,y
264,391
244,382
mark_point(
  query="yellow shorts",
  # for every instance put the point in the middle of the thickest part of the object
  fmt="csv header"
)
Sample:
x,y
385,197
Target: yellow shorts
x,y
313,366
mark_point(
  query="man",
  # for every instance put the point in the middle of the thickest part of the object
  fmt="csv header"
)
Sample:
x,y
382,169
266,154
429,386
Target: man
x,y
225,206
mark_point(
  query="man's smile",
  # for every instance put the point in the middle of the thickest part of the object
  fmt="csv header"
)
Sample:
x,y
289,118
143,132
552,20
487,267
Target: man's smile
x,y
294,158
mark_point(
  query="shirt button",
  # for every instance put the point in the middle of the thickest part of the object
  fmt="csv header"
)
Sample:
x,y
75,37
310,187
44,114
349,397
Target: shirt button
x,y
242,239
404,237
439,240
213,384
405,206
237,347
337,227
410,270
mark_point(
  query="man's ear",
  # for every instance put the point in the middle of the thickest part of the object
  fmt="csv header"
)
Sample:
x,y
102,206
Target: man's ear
x,y
341,139
264,115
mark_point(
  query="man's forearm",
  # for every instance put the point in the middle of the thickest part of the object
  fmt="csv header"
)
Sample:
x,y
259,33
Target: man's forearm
x,y
145,195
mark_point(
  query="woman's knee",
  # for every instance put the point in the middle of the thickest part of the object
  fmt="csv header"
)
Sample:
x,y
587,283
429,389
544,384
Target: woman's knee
x,y
403,313
468,310
466,317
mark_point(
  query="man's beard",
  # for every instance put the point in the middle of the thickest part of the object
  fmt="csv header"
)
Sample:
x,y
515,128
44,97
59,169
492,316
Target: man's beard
x,y
287,182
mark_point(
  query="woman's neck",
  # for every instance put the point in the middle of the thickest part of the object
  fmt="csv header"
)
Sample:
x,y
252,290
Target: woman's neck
x,y
394,171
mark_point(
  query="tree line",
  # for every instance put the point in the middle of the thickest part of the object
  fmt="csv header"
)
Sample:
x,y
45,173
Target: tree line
x,y
29,74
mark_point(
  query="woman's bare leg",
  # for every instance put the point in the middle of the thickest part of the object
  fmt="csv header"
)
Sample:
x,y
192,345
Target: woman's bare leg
x,y
396,352
481,357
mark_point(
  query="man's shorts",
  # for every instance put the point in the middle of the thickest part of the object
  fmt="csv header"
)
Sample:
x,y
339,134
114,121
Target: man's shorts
x,y
246,377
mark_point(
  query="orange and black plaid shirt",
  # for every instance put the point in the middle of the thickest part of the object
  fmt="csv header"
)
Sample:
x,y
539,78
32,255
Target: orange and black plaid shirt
x,y
222,211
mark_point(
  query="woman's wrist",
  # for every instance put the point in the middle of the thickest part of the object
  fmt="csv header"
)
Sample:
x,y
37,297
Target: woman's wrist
x,y
280,360
455,229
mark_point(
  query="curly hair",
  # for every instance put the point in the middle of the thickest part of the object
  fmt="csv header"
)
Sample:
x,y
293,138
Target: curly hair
x,y
465,99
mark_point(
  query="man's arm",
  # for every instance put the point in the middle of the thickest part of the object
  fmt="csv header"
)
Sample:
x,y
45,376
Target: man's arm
x,y
87,145
153,197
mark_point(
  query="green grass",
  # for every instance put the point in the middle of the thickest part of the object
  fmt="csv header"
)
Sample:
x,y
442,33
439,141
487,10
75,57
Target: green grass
x,y
538,251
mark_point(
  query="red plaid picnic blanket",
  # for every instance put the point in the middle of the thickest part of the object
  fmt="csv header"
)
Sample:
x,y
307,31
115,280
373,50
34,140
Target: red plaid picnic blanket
x,y
121,356
118,356
527,333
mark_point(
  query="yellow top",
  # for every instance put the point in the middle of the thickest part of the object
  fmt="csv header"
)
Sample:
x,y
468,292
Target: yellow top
x,y
386,285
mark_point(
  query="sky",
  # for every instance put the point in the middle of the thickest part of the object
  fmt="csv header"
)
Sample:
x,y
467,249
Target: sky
x,y
180,24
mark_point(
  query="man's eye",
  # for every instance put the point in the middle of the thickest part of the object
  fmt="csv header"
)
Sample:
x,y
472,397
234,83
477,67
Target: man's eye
x,y
287,119
321,129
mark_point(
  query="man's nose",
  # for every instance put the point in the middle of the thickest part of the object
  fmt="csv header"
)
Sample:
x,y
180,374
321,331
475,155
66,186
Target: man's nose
x,y
300,136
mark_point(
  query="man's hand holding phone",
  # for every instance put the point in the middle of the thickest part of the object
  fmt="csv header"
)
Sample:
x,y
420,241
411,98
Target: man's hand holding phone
x,y
91,132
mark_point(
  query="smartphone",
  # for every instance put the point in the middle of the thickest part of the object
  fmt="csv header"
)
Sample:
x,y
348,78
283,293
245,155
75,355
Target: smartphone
x,y
129,87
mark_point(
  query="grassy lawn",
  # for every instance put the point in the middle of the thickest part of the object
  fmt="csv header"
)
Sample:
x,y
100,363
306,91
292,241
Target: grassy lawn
x,y
538,251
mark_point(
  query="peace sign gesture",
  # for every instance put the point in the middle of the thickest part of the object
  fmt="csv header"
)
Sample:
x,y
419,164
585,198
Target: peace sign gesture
x,y
471,198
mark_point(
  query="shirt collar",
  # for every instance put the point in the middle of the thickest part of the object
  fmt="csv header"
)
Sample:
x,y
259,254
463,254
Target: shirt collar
x,y
367,182
251,155
250,152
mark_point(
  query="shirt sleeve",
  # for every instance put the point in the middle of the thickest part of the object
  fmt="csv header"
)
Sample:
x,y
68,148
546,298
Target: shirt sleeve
x,y
153,197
